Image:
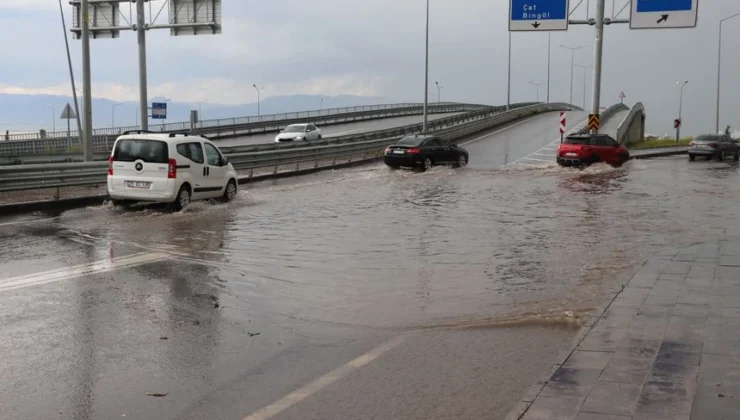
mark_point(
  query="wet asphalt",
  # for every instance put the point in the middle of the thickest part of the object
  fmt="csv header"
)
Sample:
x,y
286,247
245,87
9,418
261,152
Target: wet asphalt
x,y
360,293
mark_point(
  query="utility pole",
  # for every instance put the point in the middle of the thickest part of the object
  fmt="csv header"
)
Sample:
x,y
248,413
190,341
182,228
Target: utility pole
x,y
549,62
87,147
508,87
143,95
680,111
439,92
598,56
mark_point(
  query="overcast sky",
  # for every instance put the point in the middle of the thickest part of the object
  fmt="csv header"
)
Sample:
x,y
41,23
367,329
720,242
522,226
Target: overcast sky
x,y
376,48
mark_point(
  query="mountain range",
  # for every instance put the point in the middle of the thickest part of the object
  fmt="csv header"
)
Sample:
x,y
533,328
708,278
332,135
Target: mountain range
x,y
29,113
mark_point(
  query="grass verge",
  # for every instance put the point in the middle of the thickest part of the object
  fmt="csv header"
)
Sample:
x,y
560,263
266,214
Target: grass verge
x,y
659,143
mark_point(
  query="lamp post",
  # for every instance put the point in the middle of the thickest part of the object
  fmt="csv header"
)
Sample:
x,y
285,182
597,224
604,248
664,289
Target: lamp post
x,y
53,119
537,85
258,97
113,115
719,68
439,92
426,75
200,109
572,64
680,109
585,70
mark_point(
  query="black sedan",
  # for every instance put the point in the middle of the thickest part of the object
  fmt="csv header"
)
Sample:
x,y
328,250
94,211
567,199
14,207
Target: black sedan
x,y
423,152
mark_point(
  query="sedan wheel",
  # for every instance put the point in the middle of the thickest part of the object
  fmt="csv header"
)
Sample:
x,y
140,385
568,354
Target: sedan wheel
x,y
462,161
427,164
721,156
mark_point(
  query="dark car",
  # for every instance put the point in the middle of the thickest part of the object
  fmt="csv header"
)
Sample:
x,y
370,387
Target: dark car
x,y
716,146
423,152
586,149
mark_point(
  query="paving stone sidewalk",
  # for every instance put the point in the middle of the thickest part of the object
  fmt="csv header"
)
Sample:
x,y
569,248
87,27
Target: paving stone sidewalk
x,y
668,347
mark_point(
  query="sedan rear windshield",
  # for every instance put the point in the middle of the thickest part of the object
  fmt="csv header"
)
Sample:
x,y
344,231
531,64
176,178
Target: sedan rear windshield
x,y
709,137
410,141
131,150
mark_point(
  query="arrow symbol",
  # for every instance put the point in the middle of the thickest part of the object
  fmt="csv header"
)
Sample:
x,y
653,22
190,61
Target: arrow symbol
x,y
536,24
663,18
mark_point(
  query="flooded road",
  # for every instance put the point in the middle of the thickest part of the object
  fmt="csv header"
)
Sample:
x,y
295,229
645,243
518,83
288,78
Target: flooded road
x,y
486,270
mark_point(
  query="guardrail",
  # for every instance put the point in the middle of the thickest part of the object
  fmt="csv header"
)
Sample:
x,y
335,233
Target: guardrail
x,y
32,177
55,150
637,111
60,144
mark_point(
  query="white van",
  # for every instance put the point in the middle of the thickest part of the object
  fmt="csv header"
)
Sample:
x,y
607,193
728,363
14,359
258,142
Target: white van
x,y
168,168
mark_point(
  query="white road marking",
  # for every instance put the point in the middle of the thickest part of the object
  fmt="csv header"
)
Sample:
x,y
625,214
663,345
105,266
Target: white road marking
x,y
306,391
547,146
66,273
499,131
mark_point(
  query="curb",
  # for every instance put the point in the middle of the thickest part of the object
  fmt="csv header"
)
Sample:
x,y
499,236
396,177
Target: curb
x,y
52,206
660,154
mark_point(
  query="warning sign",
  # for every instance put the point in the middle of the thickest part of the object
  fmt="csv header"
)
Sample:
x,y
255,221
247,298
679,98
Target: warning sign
x,y
594,122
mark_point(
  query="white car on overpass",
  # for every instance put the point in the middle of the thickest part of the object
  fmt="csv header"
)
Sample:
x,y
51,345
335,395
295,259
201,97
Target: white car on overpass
x,y
168,168
299,132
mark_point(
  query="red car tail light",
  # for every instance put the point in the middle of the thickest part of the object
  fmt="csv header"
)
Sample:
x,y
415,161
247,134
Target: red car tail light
x,y
586,149
413,151
110,166
172,169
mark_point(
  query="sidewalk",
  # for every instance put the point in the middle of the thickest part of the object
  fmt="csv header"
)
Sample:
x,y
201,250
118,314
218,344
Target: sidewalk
x,y
668,347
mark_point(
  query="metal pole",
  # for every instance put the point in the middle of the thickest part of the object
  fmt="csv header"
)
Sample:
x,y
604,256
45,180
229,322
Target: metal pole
x,y
572,63
71,78
508,88
143,96
680,112
598,56
87,147
719,75
549,62
426,76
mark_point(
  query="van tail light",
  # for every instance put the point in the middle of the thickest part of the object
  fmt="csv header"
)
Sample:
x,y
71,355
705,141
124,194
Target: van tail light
x,y
413,151
713,145
110,166
172,169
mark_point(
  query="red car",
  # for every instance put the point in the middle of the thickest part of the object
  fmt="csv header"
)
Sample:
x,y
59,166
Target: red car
x,y
587,149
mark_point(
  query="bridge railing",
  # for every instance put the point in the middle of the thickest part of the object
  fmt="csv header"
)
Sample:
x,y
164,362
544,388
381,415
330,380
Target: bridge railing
x,y
264,163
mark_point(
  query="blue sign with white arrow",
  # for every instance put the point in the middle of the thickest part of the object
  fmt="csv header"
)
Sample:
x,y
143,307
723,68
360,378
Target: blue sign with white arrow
x,y
538,15
663,14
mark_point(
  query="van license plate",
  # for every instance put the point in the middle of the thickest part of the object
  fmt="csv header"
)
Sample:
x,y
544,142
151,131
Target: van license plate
x,y
138,185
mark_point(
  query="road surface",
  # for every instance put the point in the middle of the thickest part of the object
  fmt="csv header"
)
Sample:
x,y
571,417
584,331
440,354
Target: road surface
x,y
361,293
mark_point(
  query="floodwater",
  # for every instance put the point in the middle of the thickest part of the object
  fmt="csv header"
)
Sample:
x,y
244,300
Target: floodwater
x,y
377,248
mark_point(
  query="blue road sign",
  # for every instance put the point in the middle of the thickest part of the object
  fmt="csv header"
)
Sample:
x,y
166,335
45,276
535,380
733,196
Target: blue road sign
x,y
159,110
538,15
647,6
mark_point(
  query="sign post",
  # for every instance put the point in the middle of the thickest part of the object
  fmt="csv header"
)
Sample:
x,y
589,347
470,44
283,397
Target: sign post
x,y
538,15
562,125
659,14
677,126
68,114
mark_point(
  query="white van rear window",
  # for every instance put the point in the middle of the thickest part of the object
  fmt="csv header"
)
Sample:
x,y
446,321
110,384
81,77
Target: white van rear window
x,y
150,151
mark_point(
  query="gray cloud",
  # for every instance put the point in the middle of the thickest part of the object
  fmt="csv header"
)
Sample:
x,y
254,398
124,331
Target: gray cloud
x,y
377,48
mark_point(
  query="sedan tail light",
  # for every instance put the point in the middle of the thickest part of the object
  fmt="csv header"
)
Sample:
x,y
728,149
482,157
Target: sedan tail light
x,y
110,165
387,150
713,145
692,144
172,169
413,151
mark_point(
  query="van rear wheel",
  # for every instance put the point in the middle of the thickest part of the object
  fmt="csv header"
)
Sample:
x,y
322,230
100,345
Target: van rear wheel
x,y
183,198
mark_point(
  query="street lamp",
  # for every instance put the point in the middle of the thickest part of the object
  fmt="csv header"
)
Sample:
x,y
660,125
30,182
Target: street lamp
x,y
439,92
113,114
258,97
538,88
200,109
426,75
321,105
572,64
53,118
585,68
680,109
719,67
